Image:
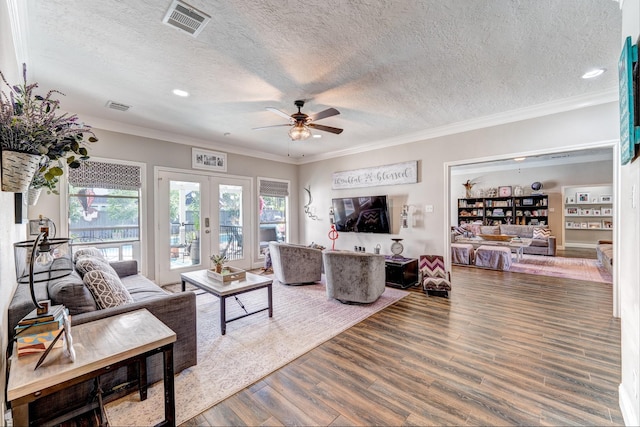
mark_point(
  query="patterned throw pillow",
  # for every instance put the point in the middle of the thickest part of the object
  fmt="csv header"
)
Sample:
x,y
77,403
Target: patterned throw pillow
x,y
541,233
88,263
89,251
107,289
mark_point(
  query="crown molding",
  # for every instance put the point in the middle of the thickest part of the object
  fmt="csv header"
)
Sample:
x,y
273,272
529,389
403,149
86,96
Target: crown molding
x,y
113,126
534,111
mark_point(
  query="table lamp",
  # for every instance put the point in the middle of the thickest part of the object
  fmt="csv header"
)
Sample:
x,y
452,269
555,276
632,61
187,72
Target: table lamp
x,y
41,260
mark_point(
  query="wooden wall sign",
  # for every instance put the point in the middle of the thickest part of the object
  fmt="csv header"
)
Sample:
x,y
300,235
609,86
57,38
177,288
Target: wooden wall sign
x,y
398,173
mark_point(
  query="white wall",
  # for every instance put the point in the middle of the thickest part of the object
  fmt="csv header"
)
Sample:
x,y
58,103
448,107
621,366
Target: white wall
x,y
427,232
9,231
153,152
627,255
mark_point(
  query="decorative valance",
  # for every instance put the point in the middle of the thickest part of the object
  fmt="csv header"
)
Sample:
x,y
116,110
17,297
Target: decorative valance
x,y
274,188
114,176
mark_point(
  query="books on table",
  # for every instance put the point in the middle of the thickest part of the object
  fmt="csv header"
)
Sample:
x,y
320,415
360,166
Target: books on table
x,y
34,337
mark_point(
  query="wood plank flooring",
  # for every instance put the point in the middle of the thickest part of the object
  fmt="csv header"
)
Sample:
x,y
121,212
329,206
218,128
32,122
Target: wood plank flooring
x,y
505,349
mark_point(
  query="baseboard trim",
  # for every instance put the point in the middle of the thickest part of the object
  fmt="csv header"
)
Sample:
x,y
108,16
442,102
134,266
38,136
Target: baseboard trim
x,y
626,407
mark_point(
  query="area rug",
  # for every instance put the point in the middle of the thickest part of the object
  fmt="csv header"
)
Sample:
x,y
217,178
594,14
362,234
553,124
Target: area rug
x,y
570,268
252,348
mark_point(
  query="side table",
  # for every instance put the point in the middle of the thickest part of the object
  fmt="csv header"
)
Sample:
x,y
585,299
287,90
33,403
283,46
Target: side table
x,y
401,272
101,346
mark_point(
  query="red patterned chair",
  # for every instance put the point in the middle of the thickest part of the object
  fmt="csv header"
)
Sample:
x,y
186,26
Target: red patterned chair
x,y
434,276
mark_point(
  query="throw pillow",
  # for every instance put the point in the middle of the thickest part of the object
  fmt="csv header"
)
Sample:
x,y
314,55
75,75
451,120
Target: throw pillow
x,y
314,245
541,233
107,289
89,251
88,263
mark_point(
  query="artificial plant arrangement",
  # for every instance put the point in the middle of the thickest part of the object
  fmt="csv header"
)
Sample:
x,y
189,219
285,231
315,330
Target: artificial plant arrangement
x,y
31,125
218,261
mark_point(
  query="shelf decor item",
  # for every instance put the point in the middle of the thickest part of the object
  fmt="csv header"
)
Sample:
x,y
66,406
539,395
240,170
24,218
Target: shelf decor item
x,y
397,248
35,137
504,191
582,197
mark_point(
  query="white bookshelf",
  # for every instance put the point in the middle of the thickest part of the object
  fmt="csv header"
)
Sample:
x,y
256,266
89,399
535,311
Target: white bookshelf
x,y
587,215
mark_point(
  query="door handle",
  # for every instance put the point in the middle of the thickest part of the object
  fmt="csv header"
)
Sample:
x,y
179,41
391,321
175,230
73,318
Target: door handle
x,y
206,222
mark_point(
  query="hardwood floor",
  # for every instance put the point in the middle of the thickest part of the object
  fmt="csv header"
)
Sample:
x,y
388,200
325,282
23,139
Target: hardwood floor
x,y
505,349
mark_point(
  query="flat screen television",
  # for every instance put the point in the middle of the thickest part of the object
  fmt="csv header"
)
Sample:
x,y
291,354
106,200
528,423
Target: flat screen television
x,y
368,214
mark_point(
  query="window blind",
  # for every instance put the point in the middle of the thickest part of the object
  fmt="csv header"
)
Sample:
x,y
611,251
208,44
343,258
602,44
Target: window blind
x,y
114,176
274,188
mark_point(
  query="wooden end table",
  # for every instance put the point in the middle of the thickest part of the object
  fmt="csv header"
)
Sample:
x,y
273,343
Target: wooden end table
x,y
101,346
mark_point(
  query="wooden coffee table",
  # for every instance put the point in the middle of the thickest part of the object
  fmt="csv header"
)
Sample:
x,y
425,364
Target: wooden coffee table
x,y
252,282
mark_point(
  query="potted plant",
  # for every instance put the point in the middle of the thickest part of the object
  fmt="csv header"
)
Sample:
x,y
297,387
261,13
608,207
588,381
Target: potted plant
x,y
35,136
218,261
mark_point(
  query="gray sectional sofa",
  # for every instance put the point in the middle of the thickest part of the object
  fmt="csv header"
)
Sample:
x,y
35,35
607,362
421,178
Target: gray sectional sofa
x,y
545,246
604,252
177,311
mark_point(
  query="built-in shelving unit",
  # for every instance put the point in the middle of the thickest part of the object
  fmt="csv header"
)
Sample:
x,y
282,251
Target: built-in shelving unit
x,y
522,210
587,214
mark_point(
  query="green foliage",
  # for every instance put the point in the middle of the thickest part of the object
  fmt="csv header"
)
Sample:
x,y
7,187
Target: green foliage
x,y
218,259
30,123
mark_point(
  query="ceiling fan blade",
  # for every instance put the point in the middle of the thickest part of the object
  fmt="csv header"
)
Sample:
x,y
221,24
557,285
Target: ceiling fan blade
x,y
326,128
267,127
324,114
280,113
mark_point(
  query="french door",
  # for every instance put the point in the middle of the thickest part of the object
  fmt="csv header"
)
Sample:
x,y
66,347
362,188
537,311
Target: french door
x,y
198,216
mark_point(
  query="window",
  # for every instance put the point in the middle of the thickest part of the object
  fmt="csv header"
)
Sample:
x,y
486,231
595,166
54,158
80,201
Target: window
x,y
273,211
104,202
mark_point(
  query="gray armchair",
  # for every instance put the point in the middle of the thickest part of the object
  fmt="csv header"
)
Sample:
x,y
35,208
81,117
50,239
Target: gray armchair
x,y
295,264
354,277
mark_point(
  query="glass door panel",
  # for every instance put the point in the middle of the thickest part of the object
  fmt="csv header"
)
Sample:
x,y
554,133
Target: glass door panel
x,y
231,229
184,225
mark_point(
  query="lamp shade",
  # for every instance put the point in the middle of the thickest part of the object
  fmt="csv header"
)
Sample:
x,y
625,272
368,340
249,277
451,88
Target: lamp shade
x,y
299,132
53,259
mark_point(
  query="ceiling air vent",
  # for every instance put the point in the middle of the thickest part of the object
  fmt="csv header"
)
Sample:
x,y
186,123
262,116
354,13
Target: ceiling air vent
x,y
186,18
117,106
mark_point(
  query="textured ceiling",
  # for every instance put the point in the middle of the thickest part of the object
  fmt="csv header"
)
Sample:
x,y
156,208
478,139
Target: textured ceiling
x,y
394,69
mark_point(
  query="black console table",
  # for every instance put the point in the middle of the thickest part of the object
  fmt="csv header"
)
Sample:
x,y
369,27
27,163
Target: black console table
x,y
401,272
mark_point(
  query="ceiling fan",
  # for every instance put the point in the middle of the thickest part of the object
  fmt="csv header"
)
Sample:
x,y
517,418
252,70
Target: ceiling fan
x,y
301,123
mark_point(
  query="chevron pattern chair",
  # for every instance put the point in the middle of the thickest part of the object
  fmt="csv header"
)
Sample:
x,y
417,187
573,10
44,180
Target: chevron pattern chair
x,y
433,275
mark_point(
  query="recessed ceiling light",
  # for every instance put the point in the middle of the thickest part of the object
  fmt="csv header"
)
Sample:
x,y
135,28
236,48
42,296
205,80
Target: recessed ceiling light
x,y
315,135
519,159
593,73
180,92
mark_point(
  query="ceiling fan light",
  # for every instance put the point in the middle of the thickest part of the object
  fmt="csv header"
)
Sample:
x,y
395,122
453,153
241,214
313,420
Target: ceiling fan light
x,y
299,133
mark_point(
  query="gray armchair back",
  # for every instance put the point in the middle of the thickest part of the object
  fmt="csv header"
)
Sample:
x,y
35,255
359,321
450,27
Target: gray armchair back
x,y
295,264
354,276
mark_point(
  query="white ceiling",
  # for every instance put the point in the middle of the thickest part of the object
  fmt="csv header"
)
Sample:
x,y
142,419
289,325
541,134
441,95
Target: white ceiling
x,y
398,71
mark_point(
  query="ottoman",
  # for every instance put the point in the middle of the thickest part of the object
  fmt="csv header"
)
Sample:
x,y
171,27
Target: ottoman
x,y
495,257
462,253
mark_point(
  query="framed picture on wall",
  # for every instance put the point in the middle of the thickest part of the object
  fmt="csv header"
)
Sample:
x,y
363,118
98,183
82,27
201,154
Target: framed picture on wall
x,y
606,199
607,211
582,197
208,160
571,211
571,200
